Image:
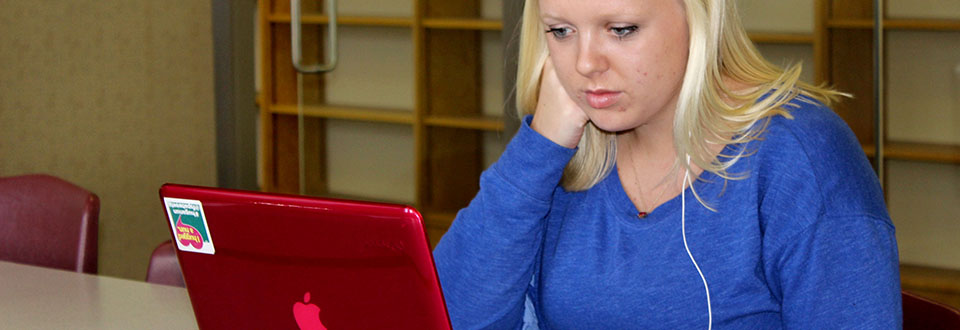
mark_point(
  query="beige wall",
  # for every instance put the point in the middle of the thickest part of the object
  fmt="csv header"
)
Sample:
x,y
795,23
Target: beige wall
x,y
115,95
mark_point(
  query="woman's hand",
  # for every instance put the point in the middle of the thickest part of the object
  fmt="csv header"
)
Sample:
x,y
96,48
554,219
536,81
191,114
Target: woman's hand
x,y
557,117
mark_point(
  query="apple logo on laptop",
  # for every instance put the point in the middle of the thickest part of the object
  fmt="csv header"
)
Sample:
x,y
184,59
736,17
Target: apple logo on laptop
x,y
307,315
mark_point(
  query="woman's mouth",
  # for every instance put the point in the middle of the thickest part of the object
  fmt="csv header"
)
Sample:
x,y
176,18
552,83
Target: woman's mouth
x,y
600,99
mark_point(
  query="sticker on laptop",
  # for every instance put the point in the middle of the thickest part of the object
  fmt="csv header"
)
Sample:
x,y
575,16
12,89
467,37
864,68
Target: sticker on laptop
x,y
189,225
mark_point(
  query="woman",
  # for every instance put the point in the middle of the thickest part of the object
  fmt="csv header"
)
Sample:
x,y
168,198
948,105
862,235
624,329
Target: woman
x,y
669,178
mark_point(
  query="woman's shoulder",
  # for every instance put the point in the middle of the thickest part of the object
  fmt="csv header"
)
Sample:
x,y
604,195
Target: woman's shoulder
x,y
815,146
812,129
813,123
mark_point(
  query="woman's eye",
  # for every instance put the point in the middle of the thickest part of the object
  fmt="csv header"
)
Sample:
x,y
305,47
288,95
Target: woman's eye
x,y
624,31
559,33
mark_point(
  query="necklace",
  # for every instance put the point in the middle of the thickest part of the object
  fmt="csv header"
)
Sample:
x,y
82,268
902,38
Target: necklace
x,y
641,213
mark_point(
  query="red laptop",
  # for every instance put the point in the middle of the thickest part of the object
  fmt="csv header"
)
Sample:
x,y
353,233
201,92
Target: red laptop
x,y
268,261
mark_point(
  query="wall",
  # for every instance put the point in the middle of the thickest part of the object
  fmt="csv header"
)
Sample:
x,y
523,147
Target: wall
x,y
116,96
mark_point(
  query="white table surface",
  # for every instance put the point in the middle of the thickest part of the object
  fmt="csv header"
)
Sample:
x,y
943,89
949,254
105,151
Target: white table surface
x,y
41,298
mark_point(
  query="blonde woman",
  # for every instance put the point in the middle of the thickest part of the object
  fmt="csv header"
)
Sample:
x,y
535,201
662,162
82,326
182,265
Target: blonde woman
x,y
669,178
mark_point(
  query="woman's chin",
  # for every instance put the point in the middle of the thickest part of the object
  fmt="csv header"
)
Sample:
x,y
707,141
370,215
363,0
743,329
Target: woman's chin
x,y
611,125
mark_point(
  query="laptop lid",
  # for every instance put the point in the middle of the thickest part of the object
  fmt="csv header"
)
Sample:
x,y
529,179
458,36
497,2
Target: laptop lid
x,y
254,260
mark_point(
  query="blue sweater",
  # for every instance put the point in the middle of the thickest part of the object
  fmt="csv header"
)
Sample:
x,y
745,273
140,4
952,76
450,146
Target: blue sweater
x,y
804,242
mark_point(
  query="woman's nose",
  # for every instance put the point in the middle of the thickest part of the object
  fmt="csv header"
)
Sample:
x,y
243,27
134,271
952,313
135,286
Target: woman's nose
x,y
590,57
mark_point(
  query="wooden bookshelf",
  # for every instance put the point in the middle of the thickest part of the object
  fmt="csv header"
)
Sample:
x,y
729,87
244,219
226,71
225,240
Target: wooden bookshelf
x,y
923,152
897,24
942,285
446,117
781,38
841,23
481,123
845,38
845,43
441,221
914,151
392,116
921,25
463,24
315,19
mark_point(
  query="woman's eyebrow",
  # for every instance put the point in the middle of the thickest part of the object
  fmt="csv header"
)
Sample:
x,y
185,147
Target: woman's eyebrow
x,y
544,16
606,17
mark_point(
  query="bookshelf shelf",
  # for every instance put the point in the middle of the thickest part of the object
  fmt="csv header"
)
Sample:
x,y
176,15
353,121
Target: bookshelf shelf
x,y
483,123
781,38
897,24
314,19
463,24
924,152
393,116
919,24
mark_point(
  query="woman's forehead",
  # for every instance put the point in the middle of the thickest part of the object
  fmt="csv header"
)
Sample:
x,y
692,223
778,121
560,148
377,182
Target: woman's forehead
x,y
561,8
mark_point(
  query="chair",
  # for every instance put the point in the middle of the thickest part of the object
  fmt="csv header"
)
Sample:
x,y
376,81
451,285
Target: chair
x,y
923,313
46,221
164,267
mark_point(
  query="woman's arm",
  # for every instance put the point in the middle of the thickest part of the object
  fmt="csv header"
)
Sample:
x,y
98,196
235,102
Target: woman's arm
x,y
486,259
841,273
830,252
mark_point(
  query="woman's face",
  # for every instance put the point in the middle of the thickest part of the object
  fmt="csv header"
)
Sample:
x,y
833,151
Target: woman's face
x,y
622,61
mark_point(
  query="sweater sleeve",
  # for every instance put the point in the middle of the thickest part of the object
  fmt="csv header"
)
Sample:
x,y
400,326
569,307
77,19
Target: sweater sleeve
x,y
830,248
486,259
843,274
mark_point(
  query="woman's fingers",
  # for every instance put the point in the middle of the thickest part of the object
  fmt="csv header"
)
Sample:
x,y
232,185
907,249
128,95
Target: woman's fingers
x,y
557,117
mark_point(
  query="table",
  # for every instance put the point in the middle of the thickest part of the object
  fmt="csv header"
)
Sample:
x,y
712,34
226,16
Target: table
x,y
42,298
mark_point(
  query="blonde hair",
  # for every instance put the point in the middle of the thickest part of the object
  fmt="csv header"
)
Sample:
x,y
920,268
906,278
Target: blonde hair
x,y
719,48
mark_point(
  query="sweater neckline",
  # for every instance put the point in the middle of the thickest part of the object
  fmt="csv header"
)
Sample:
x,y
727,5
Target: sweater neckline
x,y
619,202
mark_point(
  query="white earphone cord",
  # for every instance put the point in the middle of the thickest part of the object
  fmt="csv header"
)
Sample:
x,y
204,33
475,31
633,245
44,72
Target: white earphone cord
x,y
683,228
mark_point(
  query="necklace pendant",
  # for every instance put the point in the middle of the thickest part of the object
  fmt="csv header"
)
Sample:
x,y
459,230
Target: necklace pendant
x,y
642,215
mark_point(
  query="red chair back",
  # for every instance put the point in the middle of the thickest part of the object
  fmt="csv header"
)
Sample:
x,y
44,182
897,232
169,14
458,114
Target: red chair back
x,y
46,221
923,313
164,267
